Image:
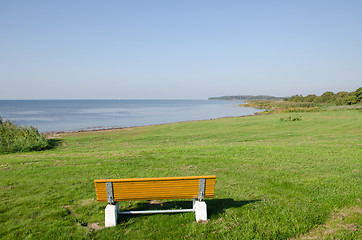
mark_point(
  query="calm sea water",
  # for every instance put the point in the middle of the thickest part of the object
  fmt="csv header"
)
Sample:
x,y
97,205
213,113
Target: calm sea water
x,y
69,115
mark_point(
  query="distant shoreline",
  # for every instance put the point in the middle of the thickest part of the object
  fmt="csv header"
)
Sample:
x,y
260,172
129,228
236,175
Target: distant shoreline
x,y
103,129
246,97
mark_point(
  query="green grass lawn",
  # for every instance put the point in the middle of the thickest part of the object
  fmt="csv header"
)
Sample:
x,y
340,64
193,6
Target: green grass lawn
x,y
274,180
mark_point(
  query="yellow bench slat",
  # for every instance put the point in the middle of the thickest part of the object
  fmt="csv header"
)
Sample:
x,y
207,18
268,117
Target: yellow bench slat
x,y
154,179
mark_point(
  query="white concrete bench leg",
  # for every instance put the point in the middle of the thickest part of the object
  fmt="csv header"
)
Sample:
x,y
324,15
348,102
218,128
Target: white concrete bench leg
x,y
111,214
200,210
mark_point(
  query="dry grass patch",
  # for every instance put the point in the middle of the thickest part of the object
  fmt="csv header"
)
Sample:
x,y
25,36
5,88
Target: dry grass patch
x,y
343,222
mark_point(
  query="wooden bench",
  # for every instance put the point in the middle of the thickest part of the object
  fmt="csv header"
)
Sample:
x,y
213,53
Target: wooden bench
x,y
115,190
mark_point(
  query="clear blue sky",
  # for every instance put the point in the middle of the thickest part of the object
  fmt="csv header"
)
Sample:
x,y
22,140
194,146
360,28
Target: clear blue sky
x,y
178,49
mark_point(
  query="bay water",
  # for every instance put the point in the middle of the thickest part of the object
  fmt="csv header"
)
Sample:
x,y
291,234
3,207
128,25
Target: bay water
x,y
73,115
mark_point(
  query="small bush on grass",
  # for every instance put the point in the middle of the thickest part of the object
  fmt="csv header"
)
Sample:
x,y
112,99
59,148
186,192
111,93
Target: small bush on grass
x,y
290,119
14,138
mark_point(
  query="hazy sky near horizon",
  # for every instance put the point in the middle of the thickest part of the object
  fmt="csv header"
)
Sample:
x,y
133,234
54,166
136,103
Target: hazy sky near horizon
x,y
155,49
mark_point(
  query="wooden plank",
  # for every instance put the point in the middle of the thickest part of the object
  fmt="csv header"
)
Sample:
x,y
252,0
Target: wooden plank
x,y
156,179
155,188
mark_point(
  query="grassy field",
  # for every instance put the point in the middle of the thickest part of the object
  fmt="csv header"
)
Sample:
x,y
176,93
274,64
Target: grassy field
x,y
275,179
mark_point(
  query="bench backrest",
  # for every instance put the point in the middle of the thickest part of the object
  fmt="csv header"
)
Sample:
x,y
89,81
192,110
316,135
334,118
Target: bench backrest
x,y
154,188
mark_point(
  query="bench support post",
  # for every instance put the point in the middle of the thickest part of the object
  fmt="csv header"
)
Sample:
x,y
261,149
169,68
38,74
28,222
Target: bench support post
x,y
200,209
111,214
112,209
199,205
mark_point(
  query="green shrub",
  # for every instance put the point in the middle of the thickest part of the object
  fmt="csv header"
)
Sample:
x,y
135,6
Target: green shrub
x,y
355,97
14,138
310,98
290,119
327,97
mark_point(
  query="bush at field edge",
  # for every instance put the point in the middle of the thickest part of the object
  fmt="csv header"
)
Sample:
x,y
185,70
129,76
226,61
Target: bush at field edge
x,y
14,138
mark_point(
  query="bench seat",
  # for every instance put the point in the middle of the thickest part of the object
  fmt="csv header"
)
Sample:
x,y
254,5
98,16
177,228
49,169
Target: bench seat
x,y
191,187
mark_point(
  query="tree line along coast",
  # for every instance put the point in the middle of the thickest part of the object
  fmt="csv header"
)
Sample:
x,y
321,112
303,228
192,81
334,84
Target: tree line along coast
x,y
340,98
